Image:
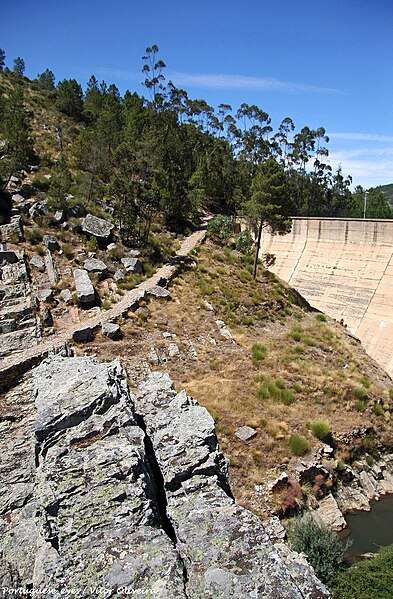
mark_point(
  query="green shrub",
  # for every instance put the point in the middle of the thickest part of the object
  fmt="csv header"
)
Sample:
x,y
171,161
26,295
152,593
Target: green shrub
x,y
298,445
67,250
378,409
320,429
359,393
243,241
365,382
92,244
367,579
296,336
40,182
370,445
321,317
309,341
360,405
34,235
220,227
323,548
258,353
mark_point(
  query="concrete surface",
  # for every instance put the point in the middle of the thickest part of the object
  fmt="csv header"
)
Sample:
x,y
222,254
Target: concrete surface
x,y
343,267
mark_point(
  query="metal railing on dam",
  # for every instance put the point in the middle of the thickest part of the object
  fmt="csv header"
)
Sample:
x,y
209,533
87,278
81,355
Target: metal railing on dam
x,y
343,267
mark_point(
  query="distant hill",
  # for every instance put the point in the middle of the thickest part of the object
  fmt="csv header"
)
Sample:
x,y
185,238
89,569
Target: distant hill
x,y
388,191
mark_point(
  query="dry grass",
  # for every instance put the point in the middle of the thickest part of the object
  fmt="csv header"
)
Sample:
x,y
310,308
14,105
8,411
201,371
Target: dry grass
x,y
319,379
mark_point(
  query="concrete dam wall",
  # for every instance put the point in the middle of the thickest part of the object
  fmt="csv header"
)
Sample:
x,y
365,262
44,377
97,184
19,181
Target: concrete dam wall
x,y
343,267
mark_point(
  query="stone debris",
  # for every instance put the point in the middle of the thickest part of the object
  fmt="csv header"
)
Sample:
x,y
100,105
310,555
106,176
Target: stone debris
x,y
12,229
132,265
46,295
83,334
245,433
94,265
224,331
84,287
329,512
38,209
46,317
66,295
111,330
37,262
97,227
59,216
159,292
51,242
173,350
119,275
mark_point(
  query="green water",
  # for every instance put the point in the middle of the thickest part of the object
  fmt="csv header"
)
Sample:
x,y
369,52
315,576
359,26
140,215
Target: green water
x,y
371,530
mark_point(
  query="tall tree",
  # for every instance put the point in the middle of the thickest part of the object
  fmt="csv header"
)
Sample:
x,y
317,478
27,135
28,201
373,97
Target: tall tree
x,y
18,149
70,98
2,59
46,80
19,66
268,205
154,79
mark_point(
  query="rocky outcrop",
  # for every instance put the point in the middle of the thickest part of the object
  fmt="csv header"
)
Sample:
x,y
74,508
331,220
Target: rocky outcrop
x,y
96,495
97,227
83,285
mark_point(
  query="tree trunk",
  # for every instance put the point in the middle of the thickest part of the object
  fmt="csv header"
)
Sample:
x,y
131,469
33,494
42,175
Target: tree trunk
x,y
254,272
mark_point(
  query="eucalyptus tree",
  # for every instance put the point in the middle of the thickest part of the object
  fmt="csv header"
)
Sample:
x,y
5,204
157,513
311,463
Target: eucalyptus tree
x,y
19,66
2,59
154,79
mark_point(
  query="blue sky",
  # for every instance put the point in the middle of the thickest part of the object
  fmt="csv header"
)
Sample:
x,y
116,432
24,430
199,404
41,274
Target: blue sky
x,y
321,63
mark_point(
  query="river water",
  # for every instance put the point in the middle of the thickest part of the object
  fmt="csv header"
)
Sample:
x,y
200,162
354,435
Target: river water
x,y
371,530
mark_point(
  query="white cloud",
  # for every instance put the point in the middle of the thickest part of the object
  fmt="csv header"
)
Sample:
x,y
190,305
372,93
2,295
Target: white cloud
x,y
372,170
218,81
361,136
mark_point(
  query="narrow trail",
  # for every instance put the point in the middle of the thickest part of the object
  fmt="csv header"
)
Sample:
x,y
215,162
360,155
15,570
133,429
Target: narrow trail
x,y
15,365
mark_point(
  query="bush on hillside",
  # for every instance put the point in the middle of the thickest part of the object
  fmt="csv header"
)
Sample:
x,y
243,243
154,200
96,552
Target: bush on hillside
x,y
320,429
368,579
298,445
220,227
323,548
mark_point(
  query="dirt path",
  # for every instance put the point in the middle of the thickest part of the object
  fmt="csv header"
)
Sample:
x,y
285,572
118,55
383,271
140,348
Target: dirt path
x,y
15,365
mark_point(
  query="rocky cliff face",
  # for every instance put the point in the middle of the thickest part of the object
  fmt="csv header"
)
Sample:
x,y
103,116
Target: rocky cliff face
x,y
105,494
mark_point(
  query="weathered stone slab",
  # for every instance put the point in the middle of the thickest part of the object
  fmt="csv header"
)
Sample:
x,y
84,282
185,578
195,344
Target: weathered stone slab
x,y
111,330
94,265
83,285
132,264
97,227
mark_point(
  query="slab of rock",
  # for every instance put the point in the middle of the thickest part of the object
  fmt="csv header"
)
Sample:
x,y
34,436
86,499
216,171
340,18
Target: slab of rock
x,y
132,264
83,285
224,331
66,295
59,216
51,242
111,247
98,227
225,548
38,209
111,330
329,512
119,275
94,265
46,317
83,334
46,295
37,262
159,292
245,433
173,350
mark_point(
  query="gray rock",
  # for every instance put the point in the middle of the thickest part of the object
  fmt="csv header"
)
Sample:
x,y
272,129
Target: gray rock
x,y
159,292
17,198
119,275
12,229
51,242
111,330
226,549
173,350
111,247
132,265
133,253
224,331
46,317
83,285
329,512
245,433
37,262
46,295
14,179
83,334
59,216
38,209
95,265
66,295
98,227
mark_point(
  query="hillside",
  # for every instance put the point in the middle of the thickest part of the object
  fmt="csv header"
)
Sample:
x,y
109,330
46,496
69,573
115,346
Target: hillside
x,y
387,190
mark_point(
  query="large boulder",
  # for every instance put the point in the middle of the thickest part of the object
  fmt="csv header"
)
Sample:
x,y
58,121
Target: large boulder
x,y
97,227
132,264
83,285
94,265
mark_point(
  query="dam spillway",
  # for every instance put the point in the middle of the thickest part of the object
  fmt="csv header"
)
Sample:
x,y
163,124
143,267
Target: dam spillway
x,y
343,267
